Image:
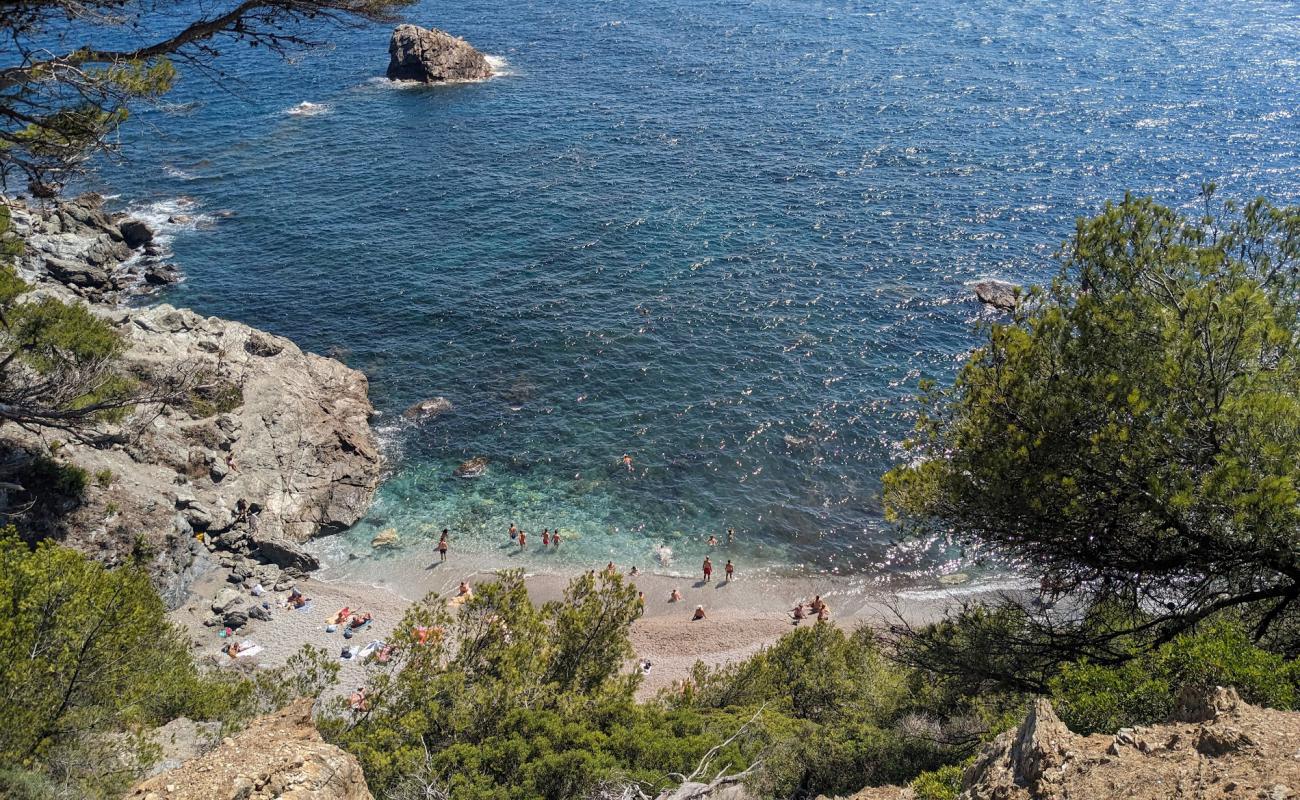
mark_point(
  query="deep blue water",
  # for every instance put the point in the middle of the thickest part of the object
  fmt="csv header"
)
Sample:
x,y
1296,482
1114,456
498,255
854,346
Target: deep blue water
x,y
725,238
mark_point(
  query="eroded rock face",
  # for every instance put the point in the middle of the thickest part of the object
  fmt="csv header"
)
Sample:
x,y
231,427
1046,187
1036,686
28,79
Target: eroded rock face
x,y
95,254
278,756
1220,748
268,447
433,56
1233,750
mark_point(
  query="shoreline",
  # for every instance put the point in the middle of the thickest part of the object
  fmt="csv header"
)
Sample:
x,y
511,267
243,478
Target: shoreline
x,y
743,616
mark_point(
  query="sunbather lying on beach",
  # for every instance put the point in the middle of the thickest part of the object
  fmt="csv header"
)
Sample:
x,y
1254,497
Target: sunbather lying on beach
x,y
340,617
358,701
356,621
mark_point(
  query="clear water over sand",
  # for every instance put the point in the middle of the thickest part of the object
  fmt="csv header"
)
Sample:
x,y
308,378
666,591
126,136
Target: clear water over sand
x,y
725,238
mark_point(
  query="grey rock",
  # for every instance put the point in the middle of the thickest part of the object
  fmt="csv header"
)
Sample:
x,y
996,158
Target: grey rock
x,y
433,56
135,233
234,619
999,294
427,409
285,553
257,612
225,598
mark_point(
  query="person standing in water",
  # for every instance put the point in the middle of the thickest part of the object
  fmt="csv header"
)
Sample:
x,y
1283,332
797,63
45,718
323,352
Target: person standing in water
x,y
708,569
546,537
555,538
713,540
442,546
523,540
731,535
514,532
730,570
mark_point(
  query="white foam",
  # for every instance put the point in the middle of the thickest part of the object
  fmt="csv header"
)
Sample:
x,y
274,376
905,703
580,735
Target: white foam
x,y
169,217
308,109
178,173
500,67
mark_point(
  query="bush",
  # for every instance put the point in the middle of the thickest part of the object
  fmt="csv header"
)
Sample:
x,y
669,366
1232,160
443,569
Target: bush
x,y
88,658
1092,698
941,784
214,395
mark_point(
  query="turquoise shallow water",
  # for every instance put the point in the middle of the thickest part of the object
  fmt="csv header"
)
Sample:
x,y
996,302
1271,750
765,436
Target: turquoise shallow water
x,y
725,238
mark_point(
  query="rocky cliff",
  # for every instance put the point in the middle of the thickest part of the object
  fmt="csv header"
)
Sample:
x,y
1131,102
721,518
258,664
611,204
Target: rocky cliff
x,y
278,756
268,447
1220,747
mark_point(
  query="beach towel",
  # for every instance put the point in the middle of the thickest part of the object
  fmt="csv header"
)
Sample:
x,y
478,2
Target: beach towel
x,y
373,647
252,651
306,607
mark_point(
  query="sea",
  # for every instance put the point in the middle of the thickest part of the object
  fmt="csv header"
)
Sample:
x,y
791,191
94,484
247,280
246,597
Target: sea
x,y
725,239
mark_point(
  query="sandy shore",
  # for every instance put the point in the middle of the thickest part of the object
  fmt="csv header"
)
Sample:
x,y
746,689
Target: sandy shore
x,y
743,616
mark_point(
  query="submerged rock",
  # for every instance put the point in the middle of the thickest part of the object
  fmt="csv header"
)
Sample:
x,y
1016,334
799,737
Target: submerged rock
x,y
472,468
428,409
999,294
385,538
433,56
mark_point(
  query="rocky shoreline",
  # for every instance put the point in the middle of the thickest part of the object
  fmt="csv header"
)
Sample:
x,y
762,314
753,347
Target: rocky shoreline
x,y
269,447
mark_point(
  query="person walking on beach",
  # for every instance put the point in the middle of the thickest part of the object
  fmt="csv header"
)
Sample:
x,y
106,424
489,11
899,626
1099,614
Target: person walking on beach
x,y
730,570
708,569
442,546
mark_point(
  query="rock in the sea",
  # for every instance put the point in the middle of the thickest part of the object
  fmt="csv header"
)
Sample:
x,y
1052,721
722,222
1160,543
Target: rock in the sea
x,y
277,756
428,409
472,468
386,538
433,56
999,294
135,233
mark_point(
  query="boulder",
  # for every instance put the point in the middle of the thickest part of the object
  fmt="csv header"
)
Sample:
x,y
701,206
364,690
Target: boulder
x,y
284,553
256,611
234,619
225,598
280,755
135,233
427,409
433,56
999,294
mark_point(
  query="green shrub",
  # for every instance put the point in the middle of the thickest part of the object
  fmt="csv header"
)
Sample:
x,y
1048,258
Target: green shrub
x,y
941,784
1092,698
214,395
104,478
